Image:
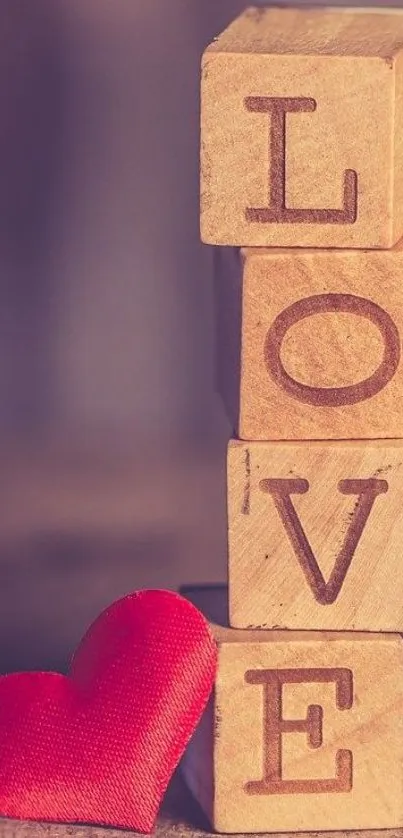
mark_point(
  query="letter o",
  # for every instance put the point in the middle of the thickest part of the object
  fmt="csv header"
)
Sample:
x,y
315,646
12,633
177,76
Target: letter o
x,y
333,396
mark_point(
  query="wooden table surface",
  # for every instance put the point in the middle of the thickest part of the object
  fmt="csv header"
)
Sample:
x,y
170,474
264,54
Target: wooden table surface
x,y
180,816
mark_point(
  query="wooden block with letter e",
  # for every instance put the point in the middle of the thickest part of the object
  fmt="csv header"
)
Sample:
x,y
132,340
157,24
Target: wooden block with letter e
x,y
315,535
320,334
304,731
302,129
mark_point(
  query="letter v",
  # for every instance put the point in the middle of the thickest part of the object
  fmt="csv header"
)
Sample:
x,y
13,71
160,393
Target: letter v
x,y
367,490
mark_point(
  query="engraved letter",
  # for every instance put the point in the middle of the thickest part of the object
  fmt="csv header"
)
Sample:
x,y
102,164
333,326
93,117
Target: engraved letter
x,y
281,489
275,726
277,212
333,396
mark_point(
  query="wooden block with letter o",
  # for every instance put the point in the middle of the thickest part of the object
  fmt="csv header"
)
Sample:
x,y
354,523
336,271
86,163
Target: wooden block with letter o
x,y
302,129
321,334
304,732
315,535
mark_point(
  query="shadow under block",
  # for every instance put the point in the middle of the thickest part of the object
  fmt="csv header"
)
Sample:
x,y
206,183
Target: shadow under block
x,y
320,334
315,535
302,129
304,732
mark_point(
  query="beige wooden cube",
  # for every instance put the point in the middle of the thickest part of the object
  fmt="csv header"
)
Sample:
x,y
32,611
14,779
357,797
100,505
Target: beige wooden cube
x,y
315,535
302,129
304,732
320,334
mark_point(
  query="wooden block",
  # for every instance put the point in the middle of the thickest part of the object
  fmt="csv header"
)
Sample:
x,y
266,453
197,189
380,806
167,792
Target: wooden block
x,y
315,535
302,129
304,732
321,344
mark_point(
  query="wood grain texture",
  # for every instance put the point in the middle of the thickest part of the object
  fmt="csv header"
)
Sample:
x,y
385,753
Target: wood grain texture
x,y
320,353
302,112
315,534
305,731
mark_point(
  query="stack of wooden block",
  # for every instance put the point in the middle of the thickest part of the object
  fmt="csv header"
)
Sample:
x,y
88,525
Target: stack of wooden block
x,y
302,167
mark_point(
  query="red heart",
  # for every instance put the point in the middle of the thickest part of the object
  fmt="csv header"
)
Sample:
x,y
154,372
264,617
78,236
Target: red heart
x,y
100,745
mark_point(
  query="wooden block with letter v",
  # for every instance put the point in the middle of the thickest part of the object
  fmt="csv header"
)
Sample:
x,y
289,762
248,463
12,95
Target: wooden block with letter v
x,y
302,129
320,334
315,535
304,731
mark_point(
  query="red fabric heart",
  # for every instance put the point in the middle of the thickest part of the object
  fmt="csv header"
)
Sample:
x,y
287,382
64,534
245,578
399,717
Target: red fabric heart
x,y
100,745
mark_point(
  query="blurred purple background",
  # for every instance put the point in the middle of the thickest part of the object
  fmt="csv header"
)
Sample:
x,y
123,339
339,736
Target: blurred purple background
x,y
106,315
112,439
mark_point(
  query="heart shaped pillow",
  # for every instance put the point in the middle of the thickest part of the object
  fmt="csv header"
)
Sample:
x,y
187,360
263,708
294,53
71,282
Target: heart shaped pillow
x,y
101,745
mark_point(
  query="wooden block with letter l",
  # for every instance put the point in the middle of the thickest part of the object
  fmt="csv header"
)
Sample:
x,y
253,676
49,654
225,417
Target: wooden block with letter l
x,y
302,129
304,731
315,535
320,334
